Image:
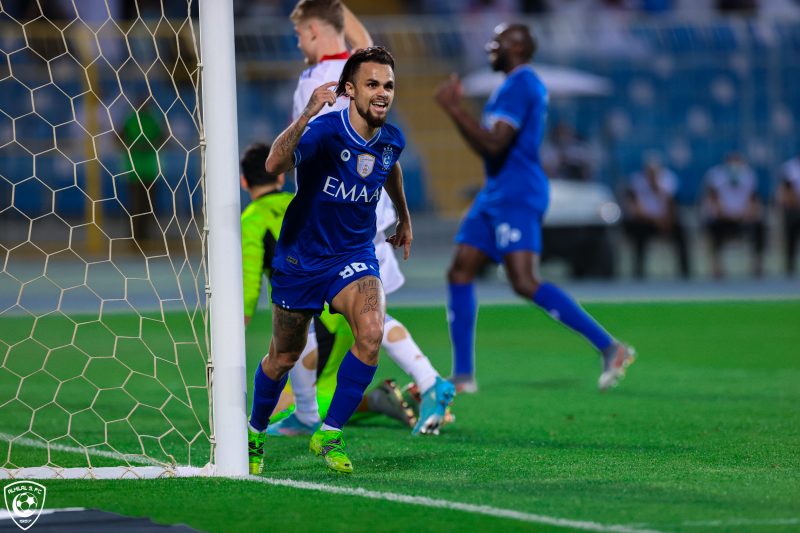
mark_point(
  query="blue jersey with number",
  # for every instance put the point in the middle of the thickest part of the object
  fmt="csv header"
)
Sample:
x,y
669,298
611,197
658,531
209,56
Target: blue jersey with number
x,y
516,176
340,176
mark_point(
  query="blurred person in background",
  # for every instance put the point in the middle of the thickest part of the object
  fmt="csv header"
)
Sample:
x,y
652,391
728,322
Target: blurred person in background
x,y
566,155
142,134
261,222
788,200
504,223
737,7
732,208
651,210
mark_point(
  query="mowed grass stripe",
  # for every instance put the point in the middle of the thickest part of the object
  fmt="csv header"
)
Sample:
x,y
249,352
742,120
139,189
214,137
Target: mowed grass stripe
x,y
362,493
128,383
457,506
704,429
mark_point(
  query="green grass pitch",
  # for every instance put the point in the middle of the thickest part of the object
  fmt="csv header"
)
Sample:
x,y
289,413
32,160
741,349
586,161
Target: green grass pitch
x,y
703,434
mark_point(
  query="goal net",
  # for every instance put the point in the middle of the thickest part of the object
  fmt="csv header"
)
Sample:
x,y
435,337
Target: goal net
x,y
104,344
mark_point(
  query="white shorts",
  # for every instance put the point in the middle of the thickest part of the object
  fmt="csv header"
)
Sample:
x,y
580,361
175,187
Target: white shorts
x,y
391,277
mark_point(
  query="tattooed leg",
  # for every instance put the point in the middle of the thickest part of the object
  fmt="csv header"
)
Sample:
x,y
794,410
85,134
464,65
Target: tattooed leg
x,y
370,289
364,306
289,335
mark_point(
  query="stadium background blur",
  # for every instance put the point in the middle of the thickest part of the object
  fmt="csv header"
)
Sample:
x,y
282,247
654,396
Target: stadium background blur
x,y
705,428
686,81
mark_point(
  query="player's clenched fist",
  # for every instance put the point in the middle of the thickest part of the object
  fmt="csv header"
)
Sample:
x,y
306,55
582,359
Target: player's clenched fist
x,y
322,95
449,93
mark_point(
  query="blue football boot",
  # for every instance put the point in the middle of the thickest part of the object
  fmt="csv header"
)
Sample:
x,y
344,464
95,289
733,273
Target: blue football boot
x,y
433,407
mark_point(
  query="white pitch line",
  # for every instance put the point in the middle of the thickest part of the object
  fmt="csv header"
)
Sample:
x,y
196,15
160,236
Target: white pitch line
x,y
733,522
371,494
455,506
33,443
416,500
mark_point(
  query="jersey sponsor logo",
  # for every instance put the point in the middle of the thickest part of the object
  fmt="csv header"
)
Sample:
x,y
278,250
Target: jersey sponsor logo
x,y
386,157
345,155
356,193
366,162
292,260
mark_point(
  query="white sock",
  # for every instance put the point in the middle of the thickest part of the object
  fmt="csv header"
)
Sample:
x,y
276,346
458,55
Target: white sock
x,y
304,386
326,427
254,430
405,352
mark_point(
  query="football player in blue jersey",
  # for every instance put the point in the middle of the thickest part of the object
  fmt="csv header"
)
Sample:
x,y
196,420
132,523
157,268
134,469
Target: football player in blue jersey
x,y
505,220
325,252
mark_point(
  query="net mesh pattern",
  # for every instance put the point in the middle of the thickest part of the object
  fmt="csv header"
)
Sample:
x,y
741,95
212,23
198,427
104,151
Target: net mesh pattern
x,y
103,281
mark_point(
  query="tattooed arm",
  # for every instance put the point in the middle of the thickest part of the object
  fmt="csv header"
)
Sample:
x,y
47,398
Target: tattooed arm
x,y
280,156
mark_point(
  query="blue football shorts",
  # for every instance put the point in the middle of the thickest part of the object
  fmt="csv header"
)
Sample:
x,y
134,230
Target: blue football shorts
x,y
310,291
497,231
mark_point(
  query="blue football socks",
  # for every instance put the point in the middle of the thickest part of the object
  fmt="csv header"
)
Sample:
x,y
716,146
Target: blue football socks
x,y
265,397
352,381
563,308
462,311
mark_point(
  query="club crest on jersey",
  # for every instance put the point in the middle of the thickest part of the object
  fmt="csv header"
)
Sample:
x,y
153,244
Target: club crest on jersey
x,y
366,162
386,157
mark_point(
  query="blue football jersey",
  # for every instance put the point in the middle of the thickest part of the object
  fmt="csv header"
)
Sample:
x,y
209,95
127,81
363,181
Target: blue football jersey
x,y
340,176
516,177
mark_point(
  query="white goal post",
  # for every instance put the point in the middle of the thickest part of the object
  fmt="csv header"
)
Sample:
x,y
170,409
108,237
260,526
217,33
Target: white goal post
x,y
225,239
122,350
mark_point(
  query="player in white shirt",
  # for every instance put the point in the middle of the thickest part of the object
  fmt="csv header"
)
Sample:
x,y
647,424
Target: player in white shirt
x,y
651,210
732,207
788,200
323,29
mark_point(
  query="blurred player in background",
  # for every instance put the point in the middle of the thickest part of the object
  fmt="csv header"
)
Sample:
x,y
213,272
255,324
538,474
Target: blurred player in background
x,y
261,222
324,253
324,28
789,204
731,207
142,132
651,209
504,222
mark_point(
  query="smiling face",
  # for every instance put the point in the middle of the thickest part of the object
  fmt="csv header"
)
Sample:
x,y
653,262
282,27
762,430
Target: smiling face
x,y
372,92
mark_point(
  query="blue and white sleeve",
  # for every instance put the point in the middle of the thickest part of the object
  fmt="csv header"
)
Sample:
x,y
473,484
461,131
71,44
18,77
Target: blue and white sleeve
x,y
513,104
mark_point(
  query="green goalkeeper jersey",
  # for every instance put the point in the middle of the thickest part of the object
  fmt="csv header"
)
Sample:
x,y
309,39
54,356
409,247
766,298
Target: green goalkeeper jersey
x,y
261,225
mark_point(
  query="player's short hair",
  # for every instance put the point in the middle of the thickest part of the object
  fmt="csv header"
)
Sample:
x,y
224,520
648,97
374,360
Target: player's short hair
x,y
329,11
525,37
373,54
253,165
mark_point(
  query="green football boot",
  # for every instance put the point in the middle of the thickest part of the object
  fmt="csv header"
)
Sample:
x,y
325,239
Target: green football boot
x,y
330,445
255,451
